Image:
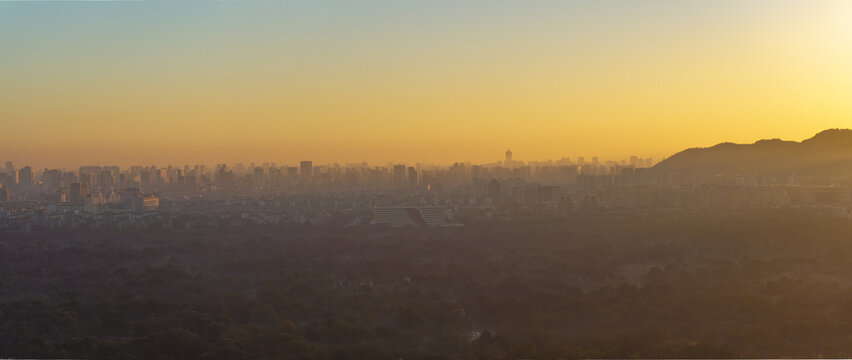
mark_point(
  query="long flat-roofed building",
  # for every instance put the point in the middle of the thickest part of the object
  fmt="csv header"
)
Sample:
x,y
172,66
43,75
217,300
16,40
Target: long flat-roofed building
x,y
422,216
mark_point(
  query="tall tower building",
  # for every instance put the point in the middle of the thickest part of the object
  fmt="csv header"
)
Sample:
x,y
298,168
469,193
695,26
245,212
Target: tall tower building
x,y
399,175
26,176
412,176
77,192
306,169
508,155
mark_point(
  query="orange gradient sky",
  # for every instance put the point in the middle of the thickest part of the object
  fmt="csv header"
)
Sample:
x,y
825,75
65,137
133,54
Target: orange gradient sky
x,y
175,83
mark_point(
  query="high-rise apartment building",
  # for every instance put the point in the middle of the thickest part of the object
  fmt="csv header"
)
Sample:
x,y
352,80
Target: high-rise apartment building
x,y
77,192
412,177
399,177
306,169
26,177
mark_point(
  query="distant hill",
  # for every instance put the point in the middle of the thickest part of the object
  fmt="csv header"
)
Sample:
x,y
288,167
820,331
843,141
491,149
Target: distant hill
x,y
828,153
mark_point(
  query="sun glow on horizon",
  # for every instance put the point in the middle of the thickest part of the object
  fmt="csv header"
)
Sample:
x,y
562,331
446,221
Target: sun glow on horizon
x,y
174,83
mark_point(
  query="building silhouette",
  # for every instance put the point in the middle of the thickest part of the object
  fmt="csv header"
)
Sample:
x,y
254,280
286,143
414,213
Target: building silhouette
x,y
26,177
305,170
399,175
77,192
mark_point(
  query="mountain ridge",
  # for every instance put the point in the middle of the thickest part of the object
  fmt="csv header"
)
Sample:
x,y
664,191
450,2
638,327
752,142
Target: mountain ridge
x,y
828,153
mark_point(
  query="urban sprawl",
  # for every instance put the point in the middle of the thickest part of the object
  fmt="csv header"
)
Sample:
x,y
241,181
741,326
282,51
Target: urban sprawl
x,y
394,195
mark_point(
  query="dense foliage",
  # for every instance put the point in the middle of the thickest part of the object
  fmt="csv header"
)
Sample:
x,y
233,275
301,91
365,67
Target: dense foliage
x,y
770,284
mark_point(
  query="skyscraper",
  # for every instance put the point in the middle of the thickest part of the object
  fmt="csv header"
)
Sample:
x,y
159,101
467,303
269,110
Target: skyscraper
x,y
412,177
258,177
306,169
508,155
399,174
292,172
77,192
26,176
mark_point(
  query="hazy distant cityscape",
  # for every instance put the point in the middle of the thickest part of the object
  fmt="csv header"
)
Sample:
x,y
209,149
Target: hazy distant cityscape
x,y
394,194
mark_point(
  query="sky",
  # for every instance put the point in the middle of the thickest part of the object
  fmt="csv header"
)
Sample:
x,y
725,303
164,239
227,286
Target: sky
x,y
401,81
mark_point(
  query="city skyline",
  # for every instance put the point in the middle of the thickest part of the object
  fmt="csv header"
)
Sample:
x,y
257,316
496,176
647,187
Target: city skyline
x,y
413,82
248,165
493,160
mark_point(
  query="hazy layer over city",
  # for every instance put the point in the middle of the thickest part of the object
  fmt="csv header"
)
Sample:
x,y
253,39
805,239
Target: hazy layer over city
x,y
437,81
